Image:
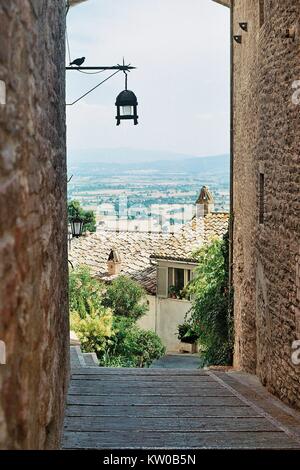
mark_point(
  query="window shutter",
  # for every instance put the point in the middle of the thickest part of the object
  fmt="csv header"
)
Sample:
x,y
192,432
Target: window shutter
x,y
162,282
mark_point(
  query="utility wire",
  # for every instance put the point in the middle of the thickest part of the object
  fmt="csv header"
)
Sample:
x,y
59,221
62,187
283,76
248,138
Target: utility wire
x,y
69,54
92,89
67,38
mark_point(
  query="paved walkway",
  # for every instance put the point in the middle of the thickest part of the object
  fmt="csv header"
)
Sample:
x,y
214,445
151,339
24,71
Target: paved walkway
x,y
177,361
174,408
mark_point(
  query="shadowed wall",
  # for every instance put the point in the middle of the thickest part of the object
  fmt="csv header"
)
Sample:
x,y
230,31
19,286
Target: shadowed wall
x,y
33,239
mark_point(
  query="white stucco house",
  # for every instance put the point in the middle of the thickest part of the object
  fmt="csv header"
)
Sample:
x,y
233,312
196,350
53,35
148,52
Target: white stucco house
x,y
162,263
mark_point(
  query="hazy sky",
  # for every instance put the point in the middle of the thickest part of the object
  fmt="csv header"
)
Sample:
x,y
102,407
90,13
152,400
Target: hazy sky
x,y
181,49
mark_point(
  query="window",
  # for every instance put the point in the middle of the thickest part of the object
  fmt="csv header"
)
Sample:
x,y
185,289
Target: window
x,y
261,12
172,281
178,279
261,198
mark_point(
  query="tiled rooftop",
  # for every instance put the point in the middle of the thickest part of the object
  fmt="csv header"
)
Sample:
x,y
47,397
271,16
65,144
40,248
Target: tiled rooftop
x,y
137,249
215,224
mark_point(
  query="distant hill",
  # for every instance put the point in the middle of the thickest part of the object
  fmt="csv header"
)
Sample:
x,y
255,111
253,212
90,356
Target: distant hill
x,y
124,155
171,162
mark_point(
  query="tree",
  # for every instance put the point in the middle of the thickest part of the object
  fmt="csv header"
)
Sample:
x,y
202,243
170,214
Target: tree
x,y
88,217
126,298
91,321
211,314
104,318
85,292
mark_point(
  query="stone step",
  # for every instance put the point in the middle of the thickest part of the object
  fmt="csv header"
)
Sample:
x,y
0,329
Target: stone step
x,y
76,357
91,359
82,360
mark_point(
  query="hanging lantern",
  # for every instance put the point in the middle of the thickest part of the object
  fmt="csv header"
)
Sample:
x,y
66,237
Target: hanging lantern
x,y
126,103
76,226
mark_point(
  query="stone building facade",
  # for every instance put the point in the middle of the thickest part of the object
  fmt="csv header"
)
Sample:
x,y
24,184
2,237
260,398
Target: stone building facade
x,y
33,228
266,191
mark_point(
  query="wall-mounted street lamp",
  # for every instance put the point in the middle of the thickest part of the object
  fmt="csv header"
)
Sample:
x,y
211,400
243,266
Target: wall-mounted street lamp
x,y
126,101
76,226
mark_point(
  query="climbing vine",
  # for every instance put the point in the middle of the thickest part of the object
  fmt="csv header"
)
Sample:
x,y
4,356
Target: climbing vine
x,y
211,314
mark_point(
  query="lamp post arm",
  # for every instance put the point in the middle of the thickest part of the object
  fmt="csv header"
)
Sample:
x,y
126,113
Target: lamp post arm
x,y
122,68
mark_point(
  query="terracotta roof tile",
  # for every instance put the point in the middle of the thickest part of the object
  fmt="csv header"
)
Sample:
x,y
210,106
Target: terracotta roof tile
x,y
137,249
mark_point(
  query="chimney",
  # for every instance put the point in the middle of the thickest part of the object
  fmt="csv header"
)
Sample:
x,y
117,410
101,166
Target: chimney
x,y
205,203
114,263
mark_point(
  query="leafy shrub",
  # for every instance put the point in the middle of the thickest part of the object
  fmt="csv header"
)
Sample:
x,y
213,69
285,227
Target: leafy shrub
x,y
177,293
187,333
91,321
126,298
143,347
121,326
132,345
116,361
211,310
85,292
94,331
111,332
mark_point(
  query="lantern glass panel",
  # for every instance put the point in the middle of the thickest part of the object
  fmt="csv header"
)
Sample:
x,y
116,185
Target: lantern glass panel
x,y
76,227
127,110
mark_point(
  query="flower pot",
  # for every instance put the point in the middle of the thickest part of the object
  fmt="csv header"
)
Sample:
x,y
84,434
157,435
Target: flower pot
x,y
191,348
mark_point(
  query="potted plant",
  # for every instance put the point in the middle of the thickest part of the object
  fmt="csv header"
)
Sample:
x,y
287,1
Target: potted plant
x,y
184,294
188,338
173,292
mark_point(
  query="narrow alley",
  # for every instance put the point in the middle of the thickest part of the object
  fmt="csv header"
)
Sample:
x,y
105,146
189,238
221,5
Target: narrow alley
x,y
174,408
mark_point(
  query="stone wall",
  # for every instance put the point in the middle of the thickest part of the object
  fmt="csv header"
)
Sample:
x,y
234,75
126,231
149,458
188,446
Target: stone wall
x,y
33,238
266,142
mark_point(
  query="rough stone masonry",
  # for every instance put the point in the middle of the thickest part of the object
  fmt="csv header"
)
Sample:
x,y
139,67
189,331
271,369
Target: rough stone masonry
x,y
33,238
266,209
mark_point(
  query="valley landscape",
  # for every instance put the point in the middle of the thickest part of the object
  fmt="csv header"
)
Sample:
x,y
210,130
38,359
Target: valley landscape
x,y
161,192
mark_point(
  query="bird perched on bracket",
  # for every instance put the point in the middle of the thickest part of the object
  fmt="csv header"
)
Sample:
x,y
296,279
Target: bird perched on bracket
x,y
78,62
